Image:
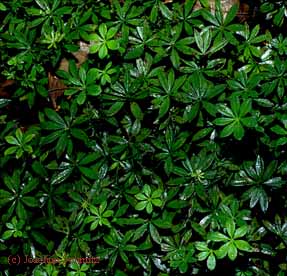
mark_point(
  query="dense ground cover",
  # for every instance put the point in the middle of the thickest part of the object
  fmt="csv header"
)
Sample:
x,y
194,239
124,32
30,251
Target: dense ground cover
x,y
166,155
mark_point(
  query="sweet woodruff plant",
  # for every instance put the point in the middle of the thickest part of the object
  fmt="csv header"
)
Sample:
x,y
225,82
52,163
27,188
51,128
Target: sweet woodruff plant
x,y
149,136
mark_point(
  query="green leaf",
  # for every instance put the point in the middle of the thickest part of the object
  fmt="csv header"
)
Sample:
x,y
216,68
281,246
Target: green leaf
x,y
245,108
88,172
168,165
113,44
203,39
10,150
201,246
217,237
7,234
92,76
64,10
30,186
94,48
134,52
222,251
82,74
279,130
42,4
12,140
211,262
21,211
203,255
154,233
89,158
263,200
62,176
164,107
103,30
61,145
201,134
177,204
28,138
94,90
249,121
225,110
141,205
136,110
165,11
51,126
191,112
2,7
149,207
111,33
230,226
238,131
79,134
143,261
30,201
223,121
115,108
141,196
81,98
198,228
147,190
232,252
243,245
103,51
240,232
175,59
228,130
4,102
53,116
108,213
51,137
231,14
40,238
19,135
